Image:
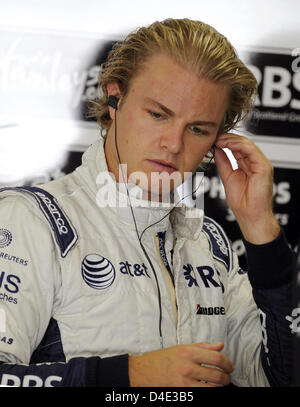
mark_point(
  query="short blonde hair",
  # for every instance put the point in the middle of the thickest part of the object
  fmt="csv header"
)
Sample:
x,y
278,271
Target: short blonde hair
x,y
195,45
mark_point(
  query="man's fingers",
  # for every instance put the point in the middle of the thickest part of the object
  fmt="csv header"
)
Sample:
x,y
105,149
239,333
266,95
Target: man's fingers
x,y
243,145
209,354
203,384
223,164
213,376
200,364
210,345
198,383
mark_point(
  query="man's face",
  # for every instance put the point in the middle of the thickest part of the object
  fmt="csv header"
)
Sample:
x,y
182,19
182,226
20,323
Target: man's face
x,y
168,121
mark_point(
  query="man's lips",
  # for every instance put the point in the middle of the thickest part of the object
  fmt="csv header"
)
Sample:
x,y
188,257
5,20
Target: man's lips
x,y
161,165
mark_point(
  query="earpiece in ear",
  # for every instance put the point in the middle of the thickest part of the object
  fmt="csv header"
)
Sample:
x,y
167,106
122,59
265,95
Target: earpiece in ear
x,y
112,101
210,154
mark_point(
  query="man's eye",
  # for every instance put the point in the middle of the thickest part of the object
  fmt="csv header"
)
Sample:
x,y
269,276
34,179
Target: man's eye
x,y
198,130
155,115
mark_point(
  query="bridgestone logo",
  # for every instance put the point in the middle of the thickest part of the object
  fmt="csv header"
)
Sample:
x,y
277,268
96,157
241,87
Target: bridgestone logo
x,y
210,310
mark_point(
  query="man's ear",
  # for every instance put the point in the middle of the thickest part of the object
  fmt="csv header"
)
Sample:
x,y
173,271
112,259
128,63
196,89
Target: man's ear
x,y
113,90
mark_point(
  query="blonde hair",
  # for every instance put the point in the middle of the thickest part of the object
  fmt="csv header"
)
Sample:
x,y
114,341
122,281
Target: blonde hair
x,y
193,44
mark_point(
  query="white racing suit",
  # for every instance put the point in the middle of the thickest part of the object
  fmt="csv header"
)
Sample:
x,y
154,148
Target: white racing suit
x,y
78,295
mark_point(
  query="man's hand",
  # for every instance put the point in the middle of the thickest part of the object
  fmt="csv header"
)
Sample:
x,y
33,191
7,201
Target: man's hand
x,y
196,365
249,189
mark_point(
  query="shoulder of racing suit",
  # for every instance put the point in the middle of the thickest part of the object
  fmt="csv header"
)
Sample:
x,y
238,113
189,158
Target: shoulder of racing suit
x,y
64,232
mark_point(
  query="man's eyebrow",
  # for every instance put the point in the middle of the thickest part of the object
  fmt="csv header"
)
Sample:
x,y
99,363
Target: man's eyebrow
x,y
171,113
162,107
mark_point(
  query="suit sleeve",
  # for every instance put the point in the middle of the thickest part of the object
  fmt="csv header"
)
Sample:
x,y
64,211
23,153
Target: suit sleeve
x,y
29,290
244,334
270,271
257,304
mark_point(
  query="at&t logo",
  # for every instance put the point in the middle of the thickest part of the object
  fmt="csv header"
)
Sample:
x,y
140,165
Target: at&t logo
x,y
97,271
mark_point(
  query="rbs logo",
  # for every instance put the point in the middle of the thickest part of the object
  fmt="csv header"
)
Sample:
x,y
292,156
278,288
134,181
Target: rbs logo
x,y
9,282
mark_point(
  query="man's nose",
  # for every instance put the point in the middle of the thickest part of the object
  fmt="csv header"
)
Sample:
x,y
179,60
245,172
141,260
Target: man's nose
x,y
172,139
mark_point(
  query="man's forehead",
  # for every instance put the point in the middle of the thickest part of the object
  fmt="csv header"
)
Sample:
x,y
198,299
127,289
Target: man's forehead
x,y
165,73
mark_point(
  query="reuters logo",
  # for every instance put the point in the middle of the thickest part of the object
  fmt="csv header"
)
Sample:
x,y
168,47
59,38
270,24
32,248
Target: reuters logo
x,y
5,238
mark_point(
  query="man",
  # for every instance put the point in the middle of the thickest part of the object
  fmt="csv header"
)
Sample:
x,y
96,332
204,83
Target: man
x,y
143,295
